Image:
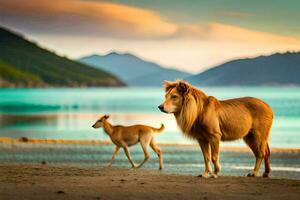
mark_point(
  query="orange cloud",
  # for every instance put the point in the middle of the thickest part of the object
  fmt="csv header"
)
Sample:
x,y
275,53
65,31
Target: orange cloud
x,y
145,22
102,18
225,32
231,33
75,28
112,20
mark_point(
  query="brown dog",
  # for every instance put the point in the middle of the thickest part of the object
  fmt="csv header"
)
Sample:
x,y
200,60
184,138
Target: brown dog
x,y
126,136
210,121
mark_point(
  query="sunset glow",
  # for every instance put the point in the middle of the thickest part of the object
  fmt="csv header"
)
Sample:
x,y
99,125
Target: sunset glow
x,y
182,39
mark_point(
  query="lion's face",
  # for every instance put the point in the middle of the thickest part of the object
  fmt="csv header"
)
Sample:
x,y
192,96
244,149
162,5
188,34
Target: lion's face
x,y
174,97
173,102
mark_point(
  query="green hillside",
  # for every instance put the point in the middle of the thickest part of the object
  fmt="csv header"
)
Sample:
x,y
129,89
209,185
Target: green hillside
x,y
25,64
11,76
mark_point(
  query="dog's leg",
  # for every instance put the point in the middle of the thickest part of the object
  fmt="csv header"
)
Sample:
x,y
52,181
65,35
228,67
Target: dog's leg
x,y
126,150
158,151
146,153
206,156
113,156
214,145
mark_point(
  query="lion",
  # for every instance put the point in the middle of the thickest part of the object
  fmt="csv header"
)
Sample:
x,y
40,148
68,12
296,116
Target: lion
x,y
209,121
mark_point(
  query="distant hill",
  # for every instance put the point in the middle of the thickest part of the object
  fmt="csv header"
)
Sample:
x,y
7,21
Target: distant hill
x,y
133,70
10,76
276,69
25,64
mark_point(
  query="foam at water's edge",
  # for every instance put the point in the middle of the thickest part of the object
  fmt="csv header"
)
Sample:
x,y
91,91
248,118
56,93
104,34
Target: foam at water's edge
x,y
24,140
291,169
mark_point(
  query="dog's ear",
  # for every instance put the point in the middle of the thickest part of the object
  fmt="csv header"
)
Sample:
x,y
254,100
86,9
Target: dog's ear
x,y
106,116
182,87
169,85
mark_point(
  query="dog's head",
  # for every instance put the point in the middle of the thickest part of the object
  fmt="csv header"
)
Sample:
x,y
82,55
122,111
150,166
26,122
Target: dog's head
x,y
174,97
99,123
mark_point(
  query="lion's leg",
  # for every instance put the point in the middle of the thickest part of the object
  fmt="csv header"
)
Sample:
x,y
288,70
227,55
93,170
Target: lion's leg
x,y
215,156
206,156
258,148
255,171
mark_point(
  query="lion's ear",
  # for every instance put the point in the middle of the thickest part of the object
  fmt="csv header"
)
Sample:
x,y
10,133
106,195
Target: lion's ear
x,y
106,116
168,85
182,87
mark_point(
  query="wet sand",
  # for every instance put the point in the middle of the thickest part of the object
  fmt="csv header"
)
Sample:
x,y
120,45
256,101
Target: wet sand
x,y
43,181
25,140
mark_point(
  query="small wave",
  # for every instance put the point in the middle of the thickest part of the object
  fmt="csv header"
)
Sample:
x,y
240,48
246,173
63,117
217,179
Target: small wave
x,y
289,169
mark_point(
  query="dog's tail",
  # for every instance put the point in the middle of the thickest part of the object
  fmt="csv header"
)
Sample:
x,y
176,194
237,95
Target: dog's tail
x,y
158,130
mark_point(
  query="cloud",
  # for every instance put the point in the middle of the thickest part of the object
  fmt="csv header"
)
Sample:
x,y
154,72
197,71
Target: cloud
x,y
85,17
75,28
112,20
225,32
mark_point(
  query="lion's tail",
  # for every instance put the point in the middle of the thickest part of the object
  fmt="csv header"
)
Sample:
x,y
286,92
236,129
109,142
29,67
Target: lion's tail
x,y
158,130
267,161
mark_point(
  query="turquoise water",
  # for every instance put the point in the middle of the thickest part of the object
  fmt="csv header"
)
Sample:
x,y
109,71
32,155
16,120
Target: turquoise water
x,y
69,113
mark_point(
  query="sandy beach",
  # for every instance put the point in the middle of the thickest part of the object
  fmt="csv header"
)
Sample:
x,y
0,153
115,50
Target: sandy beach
x,y
38,181
59,169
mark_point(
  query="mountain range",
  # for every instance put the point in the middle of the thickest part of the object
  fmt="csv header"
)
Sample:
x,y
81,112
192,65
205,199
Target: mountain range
x,y
133,70
272,70
25,64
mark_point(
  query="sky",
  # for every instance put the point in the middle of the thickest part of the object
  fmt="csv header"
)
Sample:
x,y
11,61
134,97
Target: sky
x,y
191,35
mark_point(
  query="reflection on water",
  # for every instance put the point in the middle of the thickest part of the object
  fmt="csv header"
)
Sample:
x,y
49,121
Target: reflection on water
x,y
76,126
69,113
19,120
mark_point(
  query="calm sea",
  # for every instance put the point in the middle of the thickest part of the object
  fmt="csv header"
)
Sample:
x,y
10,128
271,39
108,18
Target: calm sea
x,y
69,113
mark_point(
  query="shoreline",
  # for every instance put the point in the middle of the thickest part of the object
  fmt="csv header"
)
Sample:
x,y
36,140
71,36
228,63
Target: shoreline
x,y
25,140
